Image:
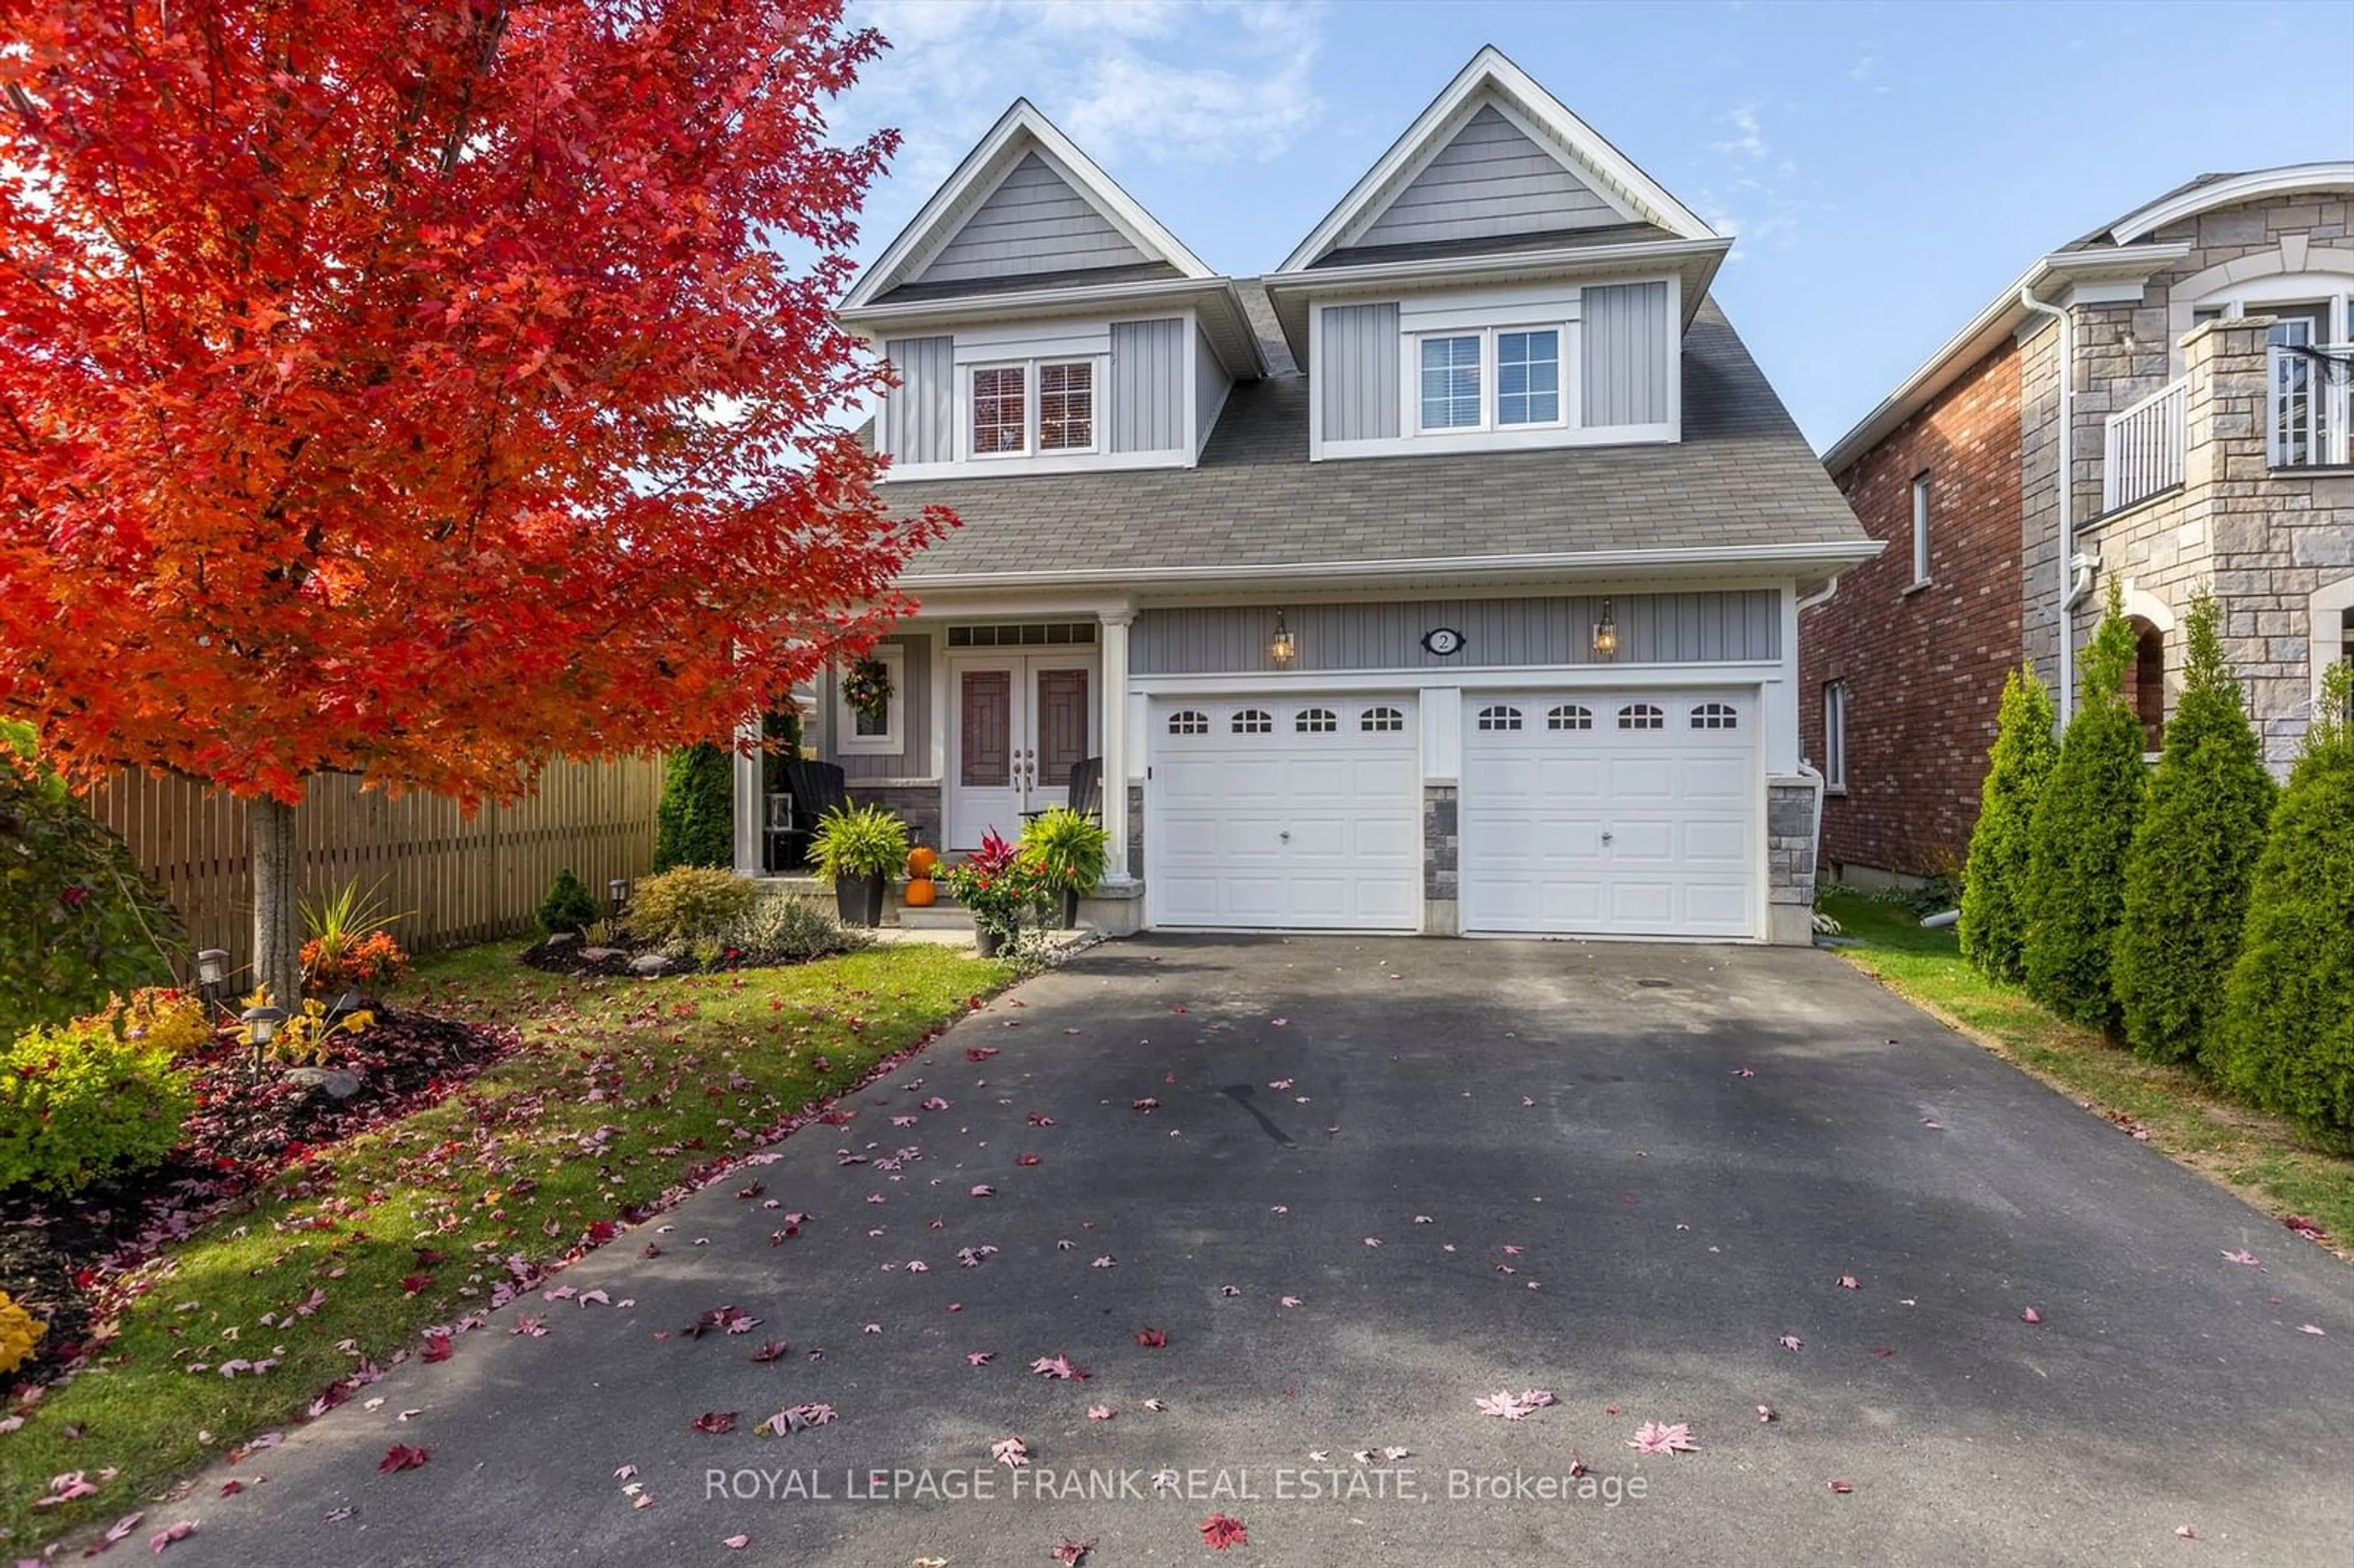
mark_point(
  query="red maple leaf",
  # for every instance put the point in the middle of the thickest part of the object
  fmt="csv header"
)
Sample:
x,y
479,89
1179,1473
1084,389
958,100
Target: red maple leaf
x,y
401,1457
437,1348
1220,1531
1070,1552
718,1422
1151,1339
1025,1159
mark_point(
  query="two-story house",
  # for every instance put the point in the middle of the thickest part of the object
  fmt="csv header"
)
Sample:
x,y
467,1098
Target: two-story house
x,y
1444,579
2185,368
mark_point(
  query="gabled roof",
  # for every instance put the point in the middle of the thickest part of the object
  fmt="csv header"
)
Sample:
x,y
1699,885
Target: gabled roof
x,y
1741,494
1025,152
1493,109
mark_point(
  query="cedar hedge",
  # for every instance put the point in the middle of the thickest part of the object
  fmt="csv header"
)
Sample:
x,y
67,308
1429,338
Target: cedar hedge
x,y
1993,925
694,825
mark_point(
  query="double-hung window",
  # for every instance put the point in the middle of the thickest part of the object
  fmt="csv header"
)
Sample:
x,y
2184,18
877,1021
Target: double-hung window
x,y
1835,735
1504,379
1039,407
1921,531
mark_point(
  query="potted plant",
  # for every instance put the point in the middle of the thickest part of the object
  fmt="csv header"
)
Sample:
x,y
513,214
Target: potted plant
x,y
1068,847
997,882
857,848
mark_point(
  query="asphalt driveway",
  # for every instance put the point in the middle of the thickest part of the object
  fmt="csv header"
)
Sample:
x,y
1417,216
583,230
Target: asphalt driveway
x,y
1618,1173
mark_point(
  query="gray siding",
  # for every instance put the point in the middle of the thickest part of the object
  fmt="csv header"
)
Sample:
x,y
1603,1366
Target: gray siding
x,y
1033,222
1630,330
915,760
1360,373
1653,628
1491,180
920,425
1210,385
1148,386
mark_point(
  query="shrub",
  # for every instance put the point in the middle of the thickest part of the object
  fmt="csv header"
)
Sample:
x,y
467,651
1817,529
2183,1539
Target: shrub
x,y
2287,1031
2079,834
784,929
78,1101
78,921
2186,894
1994,888
695,823
569,906
348,942
173,1021
19,1332
690,903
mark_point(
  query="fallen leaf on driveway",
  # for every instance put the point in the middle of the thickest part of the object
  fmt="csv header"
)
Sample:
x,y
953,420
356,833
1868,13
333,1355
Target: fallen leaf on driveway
x,y
2186,1532
1765,1412
1842,1487
2310,1329
773,1350
1745,1072
1101,1412
1849,1282
1070,1552
2243,1256
1151,1339
1025,1159
2030,1315
1502,1404
1147,1105
734,1542
1059,1367
1010,1452
400,1456
1219,1532
170,1533
1287,1301
718,1422
1790,1342
983,1190
1106,1261
1653,1437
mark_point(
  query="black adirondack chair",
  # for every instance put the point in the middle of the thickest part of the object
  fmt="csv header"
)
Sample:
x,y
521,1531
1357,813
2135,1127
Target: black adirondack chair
x,y
816,788
1085,794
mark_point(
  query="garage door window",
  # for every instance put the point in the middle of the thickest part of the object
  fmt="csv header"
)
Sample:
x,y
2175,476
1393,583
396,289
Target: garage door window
x,y
1381,721
1641,715
1317,721
1254,721
1714,716
1189,721
1499,717
1570,715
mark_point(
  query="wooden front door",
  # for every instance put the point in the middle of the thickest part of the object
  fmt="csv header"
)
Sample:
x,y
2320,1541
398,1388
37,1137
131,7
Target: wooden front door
x,y
1022,722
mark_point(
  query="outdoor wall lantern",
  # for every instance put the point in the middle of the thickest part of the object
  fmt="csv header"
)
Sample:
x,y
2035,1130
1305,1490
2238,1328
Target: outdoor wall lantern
x,y
1283,649
1606,634
618,890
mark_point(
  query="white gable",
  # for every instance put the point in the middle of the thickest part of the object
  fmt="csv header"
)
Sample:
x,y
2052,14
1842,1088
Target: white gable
x,y
1033,223
1492,179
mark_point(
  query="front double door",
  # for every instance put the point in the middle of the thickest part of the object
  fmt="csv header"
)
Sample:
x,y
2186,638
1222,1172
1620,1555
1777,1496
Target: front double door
x,y
1022,722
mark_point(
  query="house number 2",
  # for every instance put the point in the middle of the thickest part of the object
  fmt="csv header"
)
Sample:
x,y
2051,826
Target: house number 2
x,y
1443,641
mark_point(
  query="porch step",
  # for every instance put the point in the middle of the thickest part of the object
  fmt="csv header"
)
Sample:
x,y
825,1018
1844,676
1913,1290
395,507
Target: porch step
x,y
941,916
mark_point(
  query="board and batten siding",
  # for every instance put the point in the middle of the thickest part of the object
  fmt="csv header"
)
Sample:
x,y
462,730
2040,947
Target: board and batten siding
x,y
1630,330
919,414
1489,180
1734,626
1148,386
914,759
1359,347
1033,222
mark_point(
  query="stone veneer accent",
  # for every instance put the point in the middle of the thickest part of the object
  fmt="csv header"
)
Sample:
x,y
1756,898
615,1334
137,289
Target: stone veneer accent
x,y
918,805
1136,833
1790,859
1439,849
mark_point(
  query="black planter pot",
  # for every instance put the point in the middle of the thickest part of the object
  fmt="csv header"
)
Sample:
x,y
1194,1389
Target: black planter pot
x,y
1070,908
988,938
858,900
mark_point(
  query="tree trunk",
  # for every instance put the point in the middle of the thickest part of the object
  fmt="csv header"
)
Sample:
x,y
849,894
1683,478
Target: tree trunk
x,y
276,918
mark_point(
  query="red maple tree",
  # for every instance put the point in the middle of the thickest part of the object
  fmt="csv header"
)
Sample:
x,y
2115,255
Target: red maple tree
x,y
420,390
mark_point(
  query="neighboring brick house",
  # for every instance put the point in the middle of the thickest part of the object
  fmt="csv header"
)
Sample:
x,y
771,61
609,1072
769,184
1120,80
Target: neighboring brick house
x,y
2206,439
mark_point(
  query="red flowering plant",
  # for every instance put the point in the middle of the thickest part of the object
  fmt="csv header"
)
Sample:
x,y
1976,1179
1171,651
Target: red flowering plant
x,y
999,883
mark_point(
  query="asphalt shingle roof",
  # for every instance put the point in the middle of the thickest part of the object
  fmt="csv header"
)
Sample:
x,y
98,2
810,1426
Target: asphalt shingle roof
x,y
1742,475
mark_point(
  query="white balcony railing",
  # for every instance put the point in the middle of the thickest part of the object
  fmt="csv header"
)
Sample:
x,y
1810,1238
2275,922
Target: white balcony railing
x,y
2143,453
2308,388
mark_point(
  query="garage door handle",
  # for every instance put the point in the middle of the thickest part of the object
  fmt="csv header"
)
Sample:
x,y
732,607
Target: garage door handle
x,y
1606,838
1284,835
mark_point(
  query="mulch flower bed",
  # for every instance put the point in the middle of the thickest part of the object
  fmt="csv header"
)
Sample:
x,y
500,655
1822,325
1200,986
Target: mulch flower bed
x,y
60,1256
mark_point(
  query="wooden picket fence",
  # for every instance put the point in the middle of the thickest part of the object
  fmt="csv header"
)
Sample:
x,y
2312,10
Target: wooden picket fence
x,y
453,881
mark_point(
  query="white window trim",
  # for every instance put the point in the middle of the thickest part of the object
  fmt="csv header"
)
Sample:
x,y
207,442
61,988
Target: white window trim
x,y
1099,373
1835,737
1921,518
1489,423
893,741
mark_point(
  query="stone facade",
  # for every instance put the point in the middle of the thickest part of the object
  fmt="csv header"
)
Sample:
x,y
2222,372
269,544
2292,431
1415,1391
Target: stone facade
x,y
918,805
1440,844
1136,833
1921,664
1790,859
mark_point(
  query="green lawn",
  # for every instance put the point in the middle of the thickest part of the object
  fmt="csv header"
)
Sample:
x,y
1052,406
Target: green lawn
x,y
617,1091
2261,1157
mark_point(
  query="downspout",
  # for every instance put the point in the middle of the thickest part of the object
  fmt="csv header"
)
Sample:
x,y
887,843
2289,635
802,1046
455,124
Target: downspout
x,y
1813,775
2065,597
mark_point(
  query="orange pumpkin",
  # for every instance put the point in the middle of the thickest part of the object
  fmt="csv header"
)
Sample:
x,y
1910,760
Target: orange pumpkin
x,y
919,893
920,862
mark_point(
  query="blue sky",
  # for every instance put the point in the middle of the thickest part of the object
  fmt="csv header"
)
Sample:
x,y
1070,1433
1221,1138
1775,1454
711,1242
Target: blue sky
x,y
1886,167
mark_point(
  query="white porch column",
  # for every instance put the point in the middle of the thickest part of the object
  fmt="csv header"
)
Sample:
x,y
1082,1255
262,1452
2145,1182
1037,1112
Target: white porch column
x,y
749,804
1113,709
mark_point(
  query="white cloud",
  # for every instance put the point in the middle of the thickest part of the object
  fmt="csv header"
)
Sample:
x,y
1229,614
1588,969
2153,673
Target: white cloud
x,y
1747,141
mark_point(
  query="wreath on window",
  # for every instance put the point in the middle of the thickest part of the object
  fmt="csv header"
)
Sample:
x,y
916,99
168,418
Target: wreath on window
x,y
867,687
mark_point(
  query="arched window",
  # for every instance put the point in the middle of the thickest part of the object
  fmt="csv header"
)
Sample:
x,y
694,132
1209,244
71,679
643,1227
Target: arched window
x,y
2145,683
1642,716
1254,721
1570,715
1500,716
1381,721
1189,721
1714,716
1316,721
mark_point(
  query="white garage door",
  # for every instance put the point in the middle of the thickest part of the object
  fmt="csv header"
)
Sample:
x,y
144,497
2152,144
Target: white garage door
x,y
1630,814
1298,813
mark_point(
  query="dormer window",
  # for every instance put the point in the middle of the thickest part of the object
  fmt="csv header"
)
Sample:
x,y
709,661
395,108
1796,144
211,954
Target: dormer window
x,y
1498,380
1450,384
1039,407
1528,378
